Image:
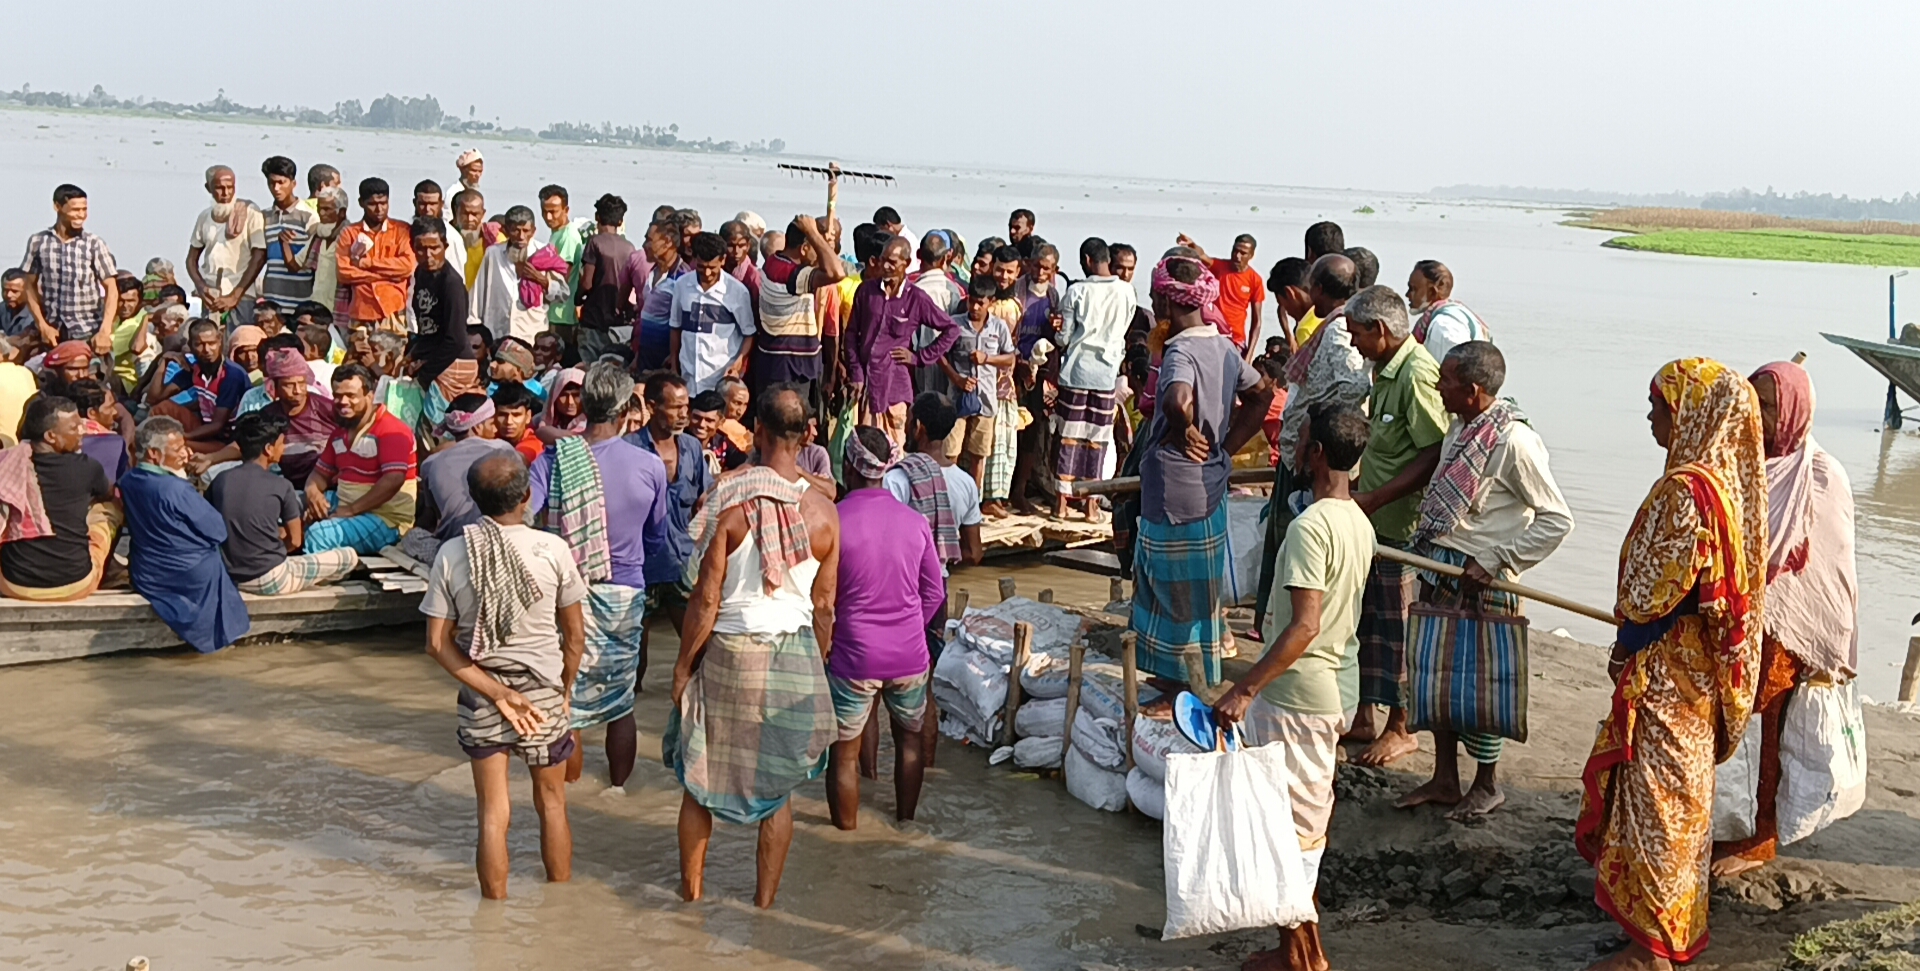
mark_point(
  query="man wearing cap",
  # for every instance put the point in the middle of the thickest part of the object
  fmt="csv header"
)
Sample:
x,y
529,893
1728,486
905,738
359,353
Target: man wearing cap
x,y
471,165
514,363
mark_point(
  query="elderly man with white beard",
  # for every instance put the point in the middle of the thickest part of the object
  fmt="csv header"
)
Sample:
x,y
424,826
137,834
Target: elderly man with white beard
x,y
227,252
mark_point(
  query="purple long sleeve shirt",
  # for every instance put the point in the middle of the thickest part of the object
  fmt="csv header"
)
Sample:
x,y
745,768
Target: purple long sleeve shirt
x,y
881,323
890,589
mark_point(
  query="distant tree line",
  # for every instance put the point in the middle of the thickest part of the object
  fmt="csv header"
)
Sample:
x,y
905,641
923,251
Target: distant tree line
x,y
1805,205
1800,205
389,111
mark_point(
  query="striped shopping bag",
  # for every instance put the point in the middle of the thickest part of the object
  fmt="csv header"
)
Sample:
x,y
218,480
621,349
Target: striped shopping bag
x,y
1466,672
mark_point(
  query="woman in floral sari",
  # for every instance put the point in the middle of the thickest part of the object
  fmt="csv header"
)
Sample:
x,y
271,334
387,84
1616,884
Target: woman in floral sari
x,y
1692,580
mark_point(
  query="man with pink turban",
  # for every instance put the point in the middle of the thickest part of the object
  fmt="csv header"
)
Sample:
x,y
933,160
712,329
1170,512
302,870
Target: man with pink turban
x,y
1211,403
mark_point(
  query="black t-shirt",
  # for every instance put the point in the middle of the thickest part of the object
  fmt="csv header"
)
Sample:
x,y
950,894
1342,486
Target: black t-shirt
x,y
69,483
440,307
255,503
602,307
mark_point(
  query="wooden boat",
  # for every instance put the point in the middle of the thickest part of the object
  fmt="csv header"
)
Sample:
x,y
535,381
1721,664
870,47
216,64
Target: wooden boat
x,y
387,592
1898,362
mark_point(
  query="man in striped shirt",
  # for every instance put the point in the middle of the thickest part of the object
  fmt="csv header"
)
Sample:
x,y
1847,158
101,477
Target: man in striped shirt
x,y
289,229
70,276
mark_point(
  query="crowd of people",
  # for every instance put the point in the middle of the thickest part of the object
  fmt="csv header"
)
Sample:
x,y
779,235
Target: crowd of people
x,y
784,450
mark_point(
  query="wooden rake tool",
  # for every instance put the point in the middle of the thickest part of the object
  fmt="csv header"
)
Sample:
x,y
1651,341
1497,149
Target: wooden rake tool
x,y
834,174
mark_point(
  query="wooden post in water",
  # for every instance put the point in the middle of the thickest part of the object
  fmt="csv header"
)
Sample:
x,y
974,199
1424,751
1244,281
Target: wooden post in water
x,y
1008,588
957,602
1910,674
1022,648
1130,677
1116,589
1045,596
1076,662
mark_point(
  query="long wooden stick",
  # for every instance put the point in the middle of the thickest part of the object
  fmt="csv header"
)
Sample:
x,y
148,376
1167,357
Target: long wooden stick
x,y
1076,664
1022,649
1413,560
1131,483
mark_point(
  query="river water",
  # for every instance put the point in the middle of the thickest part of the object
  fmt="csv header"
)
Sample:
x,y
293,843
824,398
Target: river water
x,y
304,804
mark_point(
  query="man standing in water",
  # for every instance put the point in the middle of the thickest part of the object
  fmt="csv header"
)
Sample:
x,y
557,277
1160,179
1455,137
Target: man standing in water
x,y
752,715
1409,421
504,618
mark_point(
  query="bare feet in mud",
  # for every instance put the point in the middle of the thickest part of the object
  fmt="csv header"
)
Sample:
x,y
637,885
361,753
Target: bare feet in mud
x,y
1634,958
1729,866
1390,747
1364,728
1479,801
1440,792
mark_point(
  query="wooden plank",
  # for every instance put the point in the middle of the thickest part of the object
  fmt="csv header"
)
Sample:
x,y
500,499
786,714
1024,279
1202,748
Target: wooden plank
x,y
1131,483
1076,662
110,622
1095,561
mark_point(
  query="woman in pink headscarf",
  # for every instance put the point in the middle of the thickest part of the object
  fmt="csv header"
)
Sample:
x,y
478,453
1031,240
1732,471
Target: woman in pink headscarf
x,y
564,418
1809,627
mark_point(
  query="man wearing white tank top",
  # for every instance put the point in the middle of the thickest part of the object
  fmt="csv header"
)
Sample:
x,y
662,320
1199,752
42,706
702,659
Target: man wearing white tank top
x,y
752,714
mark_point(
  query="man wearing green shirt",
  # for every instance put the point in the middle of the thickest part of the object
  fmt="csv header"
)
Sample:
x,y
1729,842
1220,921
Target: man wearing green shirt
x,y
1403,447
1302,694
565,238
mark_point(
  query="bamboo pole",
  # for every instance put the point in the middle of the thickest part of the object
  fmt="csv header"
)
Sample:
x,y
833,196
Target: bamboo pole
x,y
1910,674
1131,483
1076,663
1116,589
957,603
1414,560
1008,588
1130,691
1196,665
1045,596
1022,649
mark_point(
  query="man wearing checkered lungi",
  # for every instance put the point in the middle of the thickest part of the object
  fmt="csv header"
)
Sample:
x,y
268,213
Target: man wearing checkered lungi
x,y
1407,421
1494,510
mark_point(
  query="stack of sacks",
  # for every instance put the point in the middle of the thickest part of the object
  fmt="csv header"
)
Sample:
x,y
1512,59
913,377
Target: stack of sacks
x,y
970,681
1096,762
1153,738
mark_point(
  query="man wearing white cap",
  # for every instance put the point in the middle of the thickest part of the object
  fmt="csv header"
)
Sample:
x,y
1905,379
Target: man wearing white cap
x,y
470,164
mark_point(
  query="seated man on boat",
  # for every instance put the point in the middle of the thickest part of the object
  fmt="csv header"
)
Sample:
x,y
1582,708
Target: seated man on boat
x,y
263,516
61,517
1493,509
360,494
445,507
176,562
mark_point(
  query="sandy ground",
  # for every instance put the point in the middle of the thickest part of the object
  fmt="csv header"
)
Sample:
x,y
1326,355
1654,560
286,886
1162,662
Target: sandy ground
x,y
304,804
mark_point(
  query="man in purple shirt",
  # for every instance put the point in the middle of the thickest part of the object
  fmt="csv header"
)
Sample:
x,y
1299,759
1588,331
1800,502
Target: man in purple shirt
x,y
886,312
609,530
890,589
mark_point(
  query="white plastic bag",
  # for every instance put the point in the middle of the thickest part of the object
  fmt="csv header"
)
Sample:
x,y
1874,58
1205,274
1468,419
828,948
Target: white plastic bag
x,y
1232,857
1823,759
1246,544
1148,794
1041,718
1093,785
1736,788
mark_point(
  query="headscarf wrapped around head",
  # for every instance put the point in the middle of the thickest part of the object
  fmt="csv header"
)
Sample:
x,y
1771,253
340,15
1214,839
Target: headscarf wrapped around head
x,y
1199,294
285,362
1702,530
1789,467
870,465
575,377
67,352
467,158
462,422
518,355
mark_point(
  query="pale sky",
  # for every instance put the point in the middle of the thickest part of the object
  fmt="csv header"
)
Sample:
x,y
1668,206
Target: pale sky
x,y
1625,95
